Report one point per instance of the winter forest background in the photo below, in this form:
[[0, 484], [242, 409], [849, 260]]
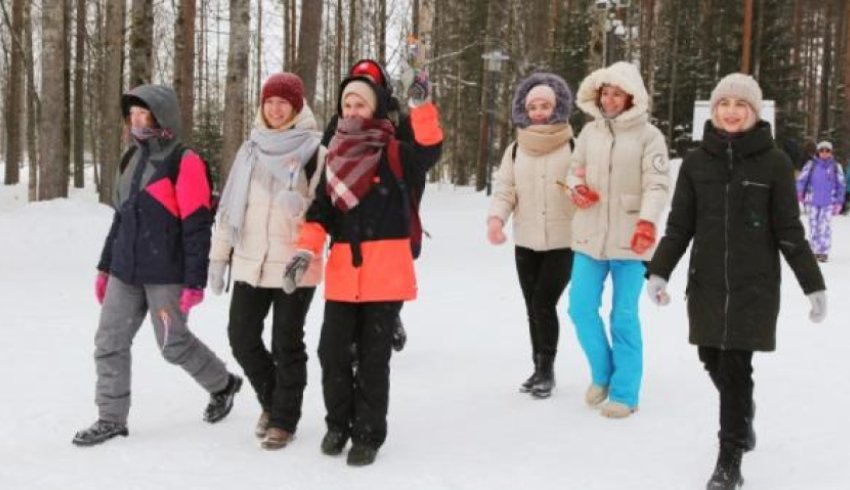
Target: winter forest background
[[65, 63]]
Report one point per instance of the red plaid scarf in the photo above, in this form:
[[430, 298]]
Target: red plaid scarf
[[353, 158]]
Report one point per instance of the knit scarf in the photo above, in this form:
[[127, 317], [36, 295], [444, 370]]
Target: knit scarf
[[282, 154], [353, 157], [542, 139]]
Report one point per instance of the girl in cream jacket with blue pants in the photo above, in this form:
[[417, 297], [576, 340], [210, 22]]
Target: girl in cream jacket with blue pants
[[619, 180]]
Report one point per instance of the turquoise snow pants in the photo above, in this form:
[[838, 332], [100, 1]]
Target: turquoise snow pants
[[617, 364]]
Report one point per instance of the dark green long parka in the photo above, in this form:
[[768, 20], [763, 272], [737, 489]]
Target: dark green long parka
[[735, 198]]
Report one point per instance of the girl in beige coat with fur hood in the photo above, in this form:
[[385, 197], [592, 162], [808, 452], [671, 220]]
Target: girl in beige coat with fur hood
[[529, 186], [271, 184], [618, 178]]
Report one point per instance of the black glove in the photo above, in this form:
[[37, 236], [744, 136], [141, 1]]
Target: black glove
[[295, 269], [420, 89]]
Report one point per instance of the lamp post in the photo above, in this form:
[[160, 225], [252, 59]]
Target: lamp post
[[493, 64], [612, 27]]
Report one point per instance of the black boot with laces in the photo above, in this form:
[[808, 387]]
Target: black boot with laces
[[222, 402], [727, 472], [98, 432]]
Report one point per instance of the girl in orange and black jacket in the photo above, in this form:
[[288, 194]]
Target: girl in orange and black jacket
[[366, 211]]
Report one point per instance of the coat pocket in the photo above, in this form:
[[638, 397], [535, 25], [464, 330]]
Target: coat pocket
[[629, 214]]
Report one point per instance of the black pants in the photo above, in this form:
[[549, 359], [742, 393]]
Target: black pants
[[357, 400], [731, 371], [543, 276], [279, 376]]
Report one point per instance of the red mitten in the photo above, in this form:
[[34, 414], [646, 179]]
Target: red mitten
[[583, 196], [644, 237], [100, 286]]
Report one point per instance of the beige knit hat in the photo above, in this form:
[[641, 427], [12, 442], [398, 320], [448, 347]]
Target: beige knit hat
[[739, 86], [363, 90]]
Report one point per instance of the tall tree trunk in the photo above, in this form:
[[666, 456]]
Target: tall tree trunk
[[340, 37], [352, 32], [826, 74], [141, 43], [293, 31], [184, 66], [259, 68], [234, 93], [309, 41], [53, 173], [13, 97], [111, 117], [66, 87], [33, 106], [747, 36], [79, 94], [382, 32]]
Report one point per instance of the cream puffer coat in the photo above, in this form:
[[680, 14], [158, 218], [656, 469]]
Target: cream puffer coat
[[624, 159], [531, 188], [270, 228]]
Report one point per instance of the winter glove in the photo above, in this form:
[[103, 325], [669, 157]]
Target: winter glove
[[656, 288], [215, 276], [190, 298], [818, 311], [100, 286], [494, 231], [836, 209], [643, 237], [583, 196], [419, 90], [295, 270]]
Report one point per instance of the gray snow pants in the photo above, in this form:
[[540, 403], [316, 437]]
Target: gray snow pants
[[123, 312]]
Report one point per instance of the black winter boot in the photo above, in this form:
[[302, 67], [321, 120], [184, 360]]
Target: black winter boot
[[361, 455], [333, 442], [727, 473], [222, 402], [526, 385], [98, 432], [542, 387]]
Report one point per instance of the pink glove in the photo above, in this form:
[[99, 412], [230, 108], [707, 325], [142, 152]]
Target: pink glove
[[190, 298], [100, 286], [836, 209], [494, 231], [583, 196]]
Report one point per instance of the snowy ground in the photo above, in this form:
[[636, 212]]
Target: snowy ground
[[456, 420]]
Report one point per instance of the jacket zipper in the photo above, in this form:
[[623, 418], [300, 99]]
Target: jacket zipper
[[729, 156], [608, 194], [745, 183]]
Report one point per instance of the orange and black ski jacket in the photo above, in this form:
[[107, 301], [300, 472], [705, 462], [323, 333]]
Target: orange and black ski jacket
[[370, 257]]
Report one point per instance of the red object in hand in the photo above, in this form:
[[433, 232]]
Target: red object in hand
[[190, 298], [494, 231], [584, 197], [100, 286], [644, 237]]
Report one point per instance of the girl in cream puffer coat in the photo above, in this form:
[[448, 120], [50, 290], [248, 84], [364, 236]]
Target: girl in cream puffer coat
[[529, 187], [619, 180], [268, 191]]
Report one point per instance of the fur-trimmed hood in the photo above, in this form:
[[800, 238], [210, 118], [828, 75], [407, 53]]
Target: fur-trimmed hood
[[622, 74], [563, 96]]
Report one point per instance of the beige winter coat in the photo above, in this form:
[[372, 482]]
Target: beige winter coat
[[270, 229], [624, 159], [529, 189]]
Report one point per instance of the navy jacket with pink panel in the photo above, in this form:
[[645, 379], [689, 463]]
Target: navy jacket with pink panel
[[161, 228]]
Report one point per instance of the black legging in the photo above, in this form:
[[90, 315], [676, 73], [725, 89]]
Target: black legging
[[731, 371], [543, 276]]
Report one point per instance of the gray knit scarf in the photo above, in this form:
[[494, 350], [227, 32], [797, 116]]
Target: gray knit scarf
[[282, 154]]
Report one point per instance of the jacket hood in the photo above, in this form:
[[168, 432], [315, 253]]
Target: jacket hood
[[563, 97], [162, 102], [382, 98], [622, 74]]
